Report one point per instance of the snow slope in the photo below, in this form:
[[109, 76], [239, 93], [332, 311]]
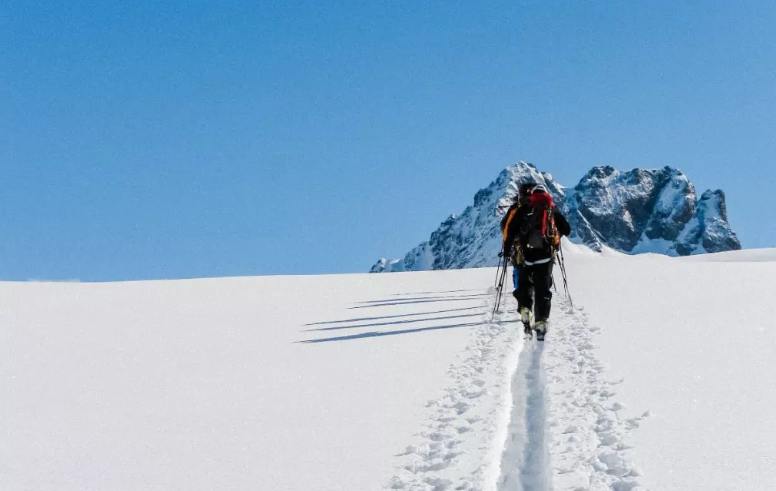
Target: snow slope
[[282, 383], [695, 341], [659, 377]]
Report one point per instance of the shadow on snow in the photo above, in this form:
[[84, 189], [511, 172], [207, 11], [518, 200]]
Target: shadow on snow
[[399, 319], [405, 321], [429, 299], [375, 334], [387, 303], [381, 317], [436, 293]]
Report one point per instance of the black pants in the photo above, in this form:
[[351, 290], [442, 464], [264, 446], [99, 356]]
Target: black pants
[[535, 282]]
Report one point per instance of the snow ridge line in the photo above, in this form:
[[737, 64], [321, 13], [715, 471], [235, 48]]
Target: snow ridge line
[[460, 445], [586, 436]]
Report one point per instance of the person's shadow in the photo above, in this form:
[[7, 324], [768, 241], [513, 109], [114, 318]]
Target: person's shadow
[[466, 312]]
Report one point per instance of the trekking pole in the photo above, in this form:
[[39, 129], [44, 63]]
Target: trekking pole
[[562, 264], [498, 268], [500, 287]]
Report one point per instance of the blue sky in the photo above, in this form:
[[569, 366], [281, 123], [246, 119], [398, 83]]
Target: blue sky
[[182, 139]]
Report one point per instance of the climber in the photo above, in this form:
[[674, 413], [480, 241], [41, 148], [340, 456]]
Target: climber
[[535, 230], [513, 253]]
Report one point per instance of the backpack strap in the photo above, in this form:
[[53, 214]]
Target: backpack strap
[[554, 236], [510, 215]]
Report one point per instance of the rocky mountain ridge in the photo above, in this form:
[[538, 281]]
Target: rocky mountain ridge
[[641, 210]]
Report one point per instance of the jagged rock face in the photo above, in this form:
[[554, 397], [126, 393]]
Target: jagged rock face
[[715, 232], [635, 211]]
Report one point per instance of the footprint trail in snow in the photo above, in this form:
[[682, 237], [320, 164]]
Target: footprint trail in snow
[[565, 432], [524, 415], [524, 463]]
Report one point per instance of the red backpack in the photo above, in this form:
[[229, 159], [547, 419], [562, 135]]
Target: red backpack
[[541, 232]]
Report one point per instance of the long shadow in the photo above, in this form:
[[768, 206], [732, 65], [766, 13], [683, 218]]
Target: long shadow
[[396, 316], [379, 317], [376, 334], [390, 323], [436, 293], [389, 304], [408, 299]]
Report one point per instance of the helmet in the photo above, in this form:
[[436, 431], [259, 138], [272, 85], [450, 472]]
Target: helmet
[[526, 188], [539, 188]]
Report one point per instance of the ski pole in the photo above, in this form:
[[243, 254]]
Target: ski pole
[[498, 268], [563, 272], [500, 287]]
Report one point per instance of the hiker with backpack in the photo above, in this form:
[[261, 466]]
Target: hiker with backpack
[[534, 232], [522, 199]]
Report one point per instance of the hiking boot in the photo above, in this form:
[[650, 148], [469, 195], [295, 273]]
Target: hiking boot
[[526, 316], [541, 329]]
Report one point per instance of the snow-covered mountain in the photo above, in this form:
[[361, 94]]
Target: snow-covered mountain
[[648, 211], [656, 210]]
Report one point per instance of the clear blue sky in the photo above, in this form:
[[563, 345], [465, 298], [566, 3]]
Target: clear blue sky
[[160, 139]]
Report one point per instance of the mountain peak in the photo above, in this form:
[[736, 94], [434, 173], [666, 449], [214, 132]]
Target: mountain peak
[[640, 210]]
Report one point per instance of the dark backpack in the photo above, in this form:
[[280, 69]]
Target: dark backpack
[[539, 230]]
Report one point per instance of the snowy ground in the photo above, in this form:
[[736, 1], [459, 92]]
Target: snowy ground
[[694, 340], [659, 377]]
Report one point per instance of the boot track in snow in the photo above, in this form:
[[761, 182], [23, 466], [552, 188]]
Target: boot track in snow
[[565, 432], [524, 415], [524, 463]]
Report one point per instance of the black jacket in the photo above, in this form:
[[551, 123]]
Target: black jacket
[[519, 201], [506, 215], [516, 233]]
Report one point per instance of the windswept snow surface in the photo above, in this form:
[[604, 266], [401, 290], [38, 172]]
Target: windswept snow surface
[[659, 377]]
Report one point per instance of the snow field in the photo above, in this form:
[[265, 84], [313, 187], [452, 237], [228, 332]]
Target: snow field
[[660, 378], [283, 383], [555, 425], [694, 340], [588, 438], [564, 431], [399, 381], [459, 445]]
